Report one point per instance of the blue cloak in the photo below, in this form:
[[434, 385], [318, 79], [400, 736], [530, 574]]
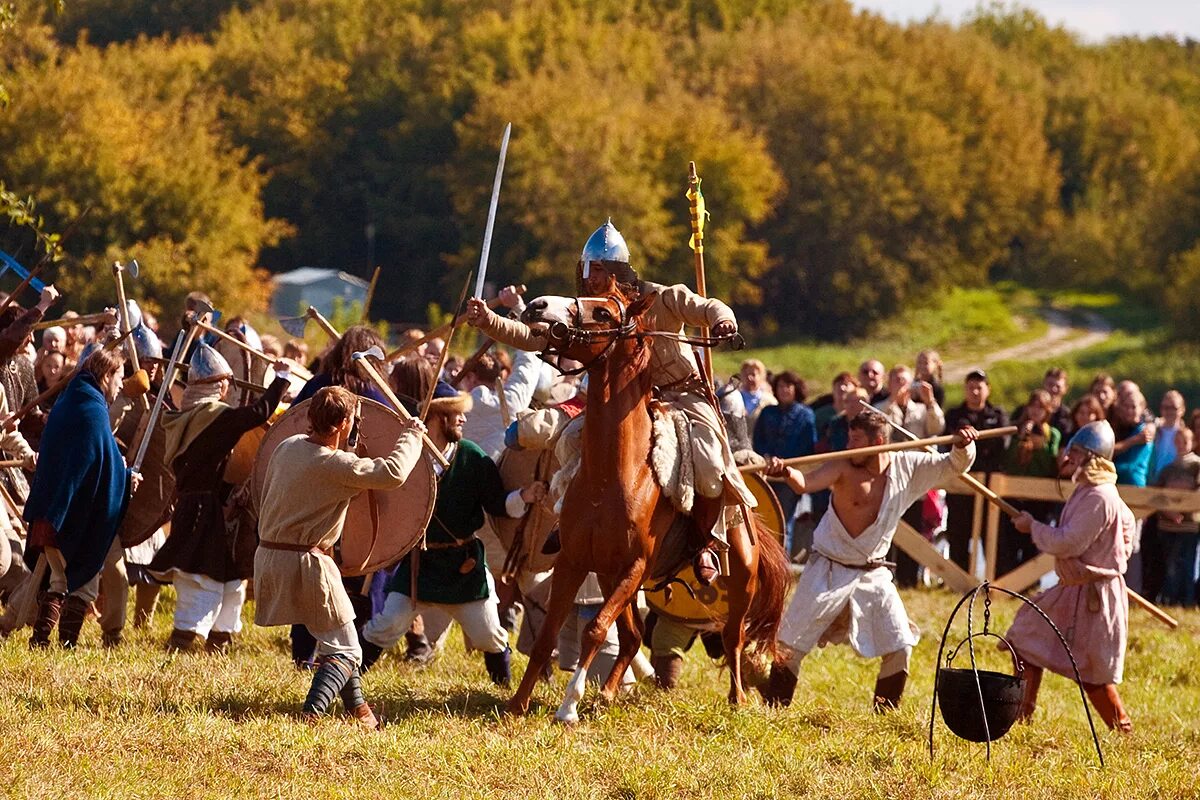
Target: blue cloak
[[81, 485]]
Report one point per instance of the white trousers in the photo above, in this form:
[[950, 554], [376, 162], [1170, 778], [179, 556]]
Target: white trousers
[[341, 641], [203, 605], [480, 621]]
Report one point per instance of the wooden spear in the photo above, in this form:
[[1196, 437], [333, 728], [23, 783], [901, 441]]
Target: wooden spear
[[858, 452], [441, 331]]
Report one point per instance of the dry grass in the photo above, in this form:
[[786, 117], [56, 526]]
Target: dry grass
[[136, 723]]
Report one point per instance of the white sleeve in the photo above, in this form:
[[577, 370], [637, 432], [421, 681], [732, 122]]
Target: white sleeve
[[514, 506], [518, 389]]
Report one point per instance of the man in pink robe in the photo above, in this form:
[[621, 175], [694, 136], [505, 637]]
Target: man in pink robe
[[1089, 605]]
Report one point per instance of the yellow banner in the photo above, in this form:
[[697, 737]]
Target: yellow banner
[[699, 215]]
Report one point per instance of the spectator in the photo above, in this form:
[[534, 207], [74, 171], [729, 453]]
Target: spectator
[[786, 430], [929, 369], [1180, 533], [1131, 456], [1105, 391], [1168, 426], [1087, 409], [1033, 452], [1055, 384], [979, 413], [912, 406], [756, 394], [870, 377]]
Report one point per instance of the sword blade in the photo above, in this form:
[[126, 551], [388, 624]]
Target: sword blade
[[491, 220]]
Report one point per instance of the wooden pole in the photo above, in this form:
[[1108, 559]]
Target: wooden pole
[[126, 328], [87, 319], [698, 250], [918, 444], [366, 315], [441, 365], [325, 324], [373, 375]]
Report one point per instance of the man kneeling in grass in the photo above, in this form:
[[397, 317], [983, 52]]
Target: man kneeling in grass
[[309, 485], [846, 593]]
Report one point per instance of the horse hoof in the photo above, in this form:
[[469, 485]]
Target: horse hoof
[[570, 720], [516, 709]]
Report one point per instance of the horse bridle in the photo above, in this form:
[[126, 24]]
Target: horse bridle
[[571, 335]]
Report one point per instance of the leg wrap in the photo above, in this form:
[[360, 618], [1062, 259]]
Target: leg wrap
[[332, 674], [49, 610], [352, 693], [74, 612]]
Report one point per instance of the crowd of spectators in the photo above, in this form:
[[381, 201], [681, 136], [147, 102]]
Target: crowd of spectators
[[1153, 449]]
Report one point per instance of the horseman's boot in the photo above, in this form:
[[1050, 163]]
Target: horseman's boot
[[49, 610], [667, 670], [499, 666], [1107, 702], [781, 686], [74, 612], [218, 643], [1033, 682], [181, 641], [705, 514], [888, 691]]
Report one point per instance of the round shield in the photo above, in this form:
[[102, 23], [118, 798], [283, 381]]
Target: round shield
[[706, 607], [381, 526], [151, 505], [519, 468], [241, 461]]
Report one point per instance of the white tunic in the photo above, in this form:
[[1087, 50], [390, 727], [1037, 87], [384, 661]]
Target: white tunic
[[875, 620]]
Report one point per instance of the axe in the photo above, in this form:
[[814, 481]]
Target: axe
[[373, 375], [300, 371], [294, 326], [183, 343], [126, 323]]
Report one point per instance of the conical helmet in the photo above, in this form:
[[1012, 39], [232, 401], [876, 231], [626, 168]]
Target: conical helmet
[[133, 316], [88, 349], [146, 343], [606, 246], [1096, 437], [207, 365]]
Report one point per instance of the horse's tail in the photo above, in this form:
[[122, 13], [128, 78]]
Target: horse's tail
[[774, 581]]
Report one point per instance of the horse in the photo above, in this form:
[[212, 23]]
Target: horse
[[615, 516]]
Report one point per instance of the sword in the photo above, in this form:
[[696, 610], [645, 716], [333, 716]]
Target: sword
[[491, 220]]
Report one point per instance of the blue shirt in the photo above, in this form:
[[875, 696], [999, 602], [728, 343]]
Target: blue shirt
[[785, 432], [1133, 465]]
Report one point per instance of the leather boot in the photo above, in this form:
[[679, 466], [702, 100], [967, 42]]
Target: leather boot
[[667, 670], [365, 717], [74, 612], [1033, 682], [888, 691], [499, 667], [49, 610], [218, 643], [1107, 702], [181, 641], [417, 648], [781, 686], [371, 653]]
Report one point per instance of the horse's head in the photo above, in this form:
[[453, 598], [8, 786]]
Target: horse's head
[[586, 329]]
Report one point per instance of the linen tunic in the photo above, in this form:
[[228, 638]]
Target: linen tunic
[[308, 490], [1090, 605], [876, 621]]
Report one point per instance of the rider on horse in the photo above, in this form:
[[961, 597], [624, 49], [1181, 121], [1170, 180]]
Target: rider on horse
[[603, 269]]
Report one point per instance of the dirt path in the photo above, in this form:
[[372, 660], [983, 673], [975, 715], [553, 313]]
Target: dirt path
[[1062, 337]]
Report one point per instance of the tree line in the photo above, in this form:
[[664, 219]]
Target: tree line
[[853, 167]]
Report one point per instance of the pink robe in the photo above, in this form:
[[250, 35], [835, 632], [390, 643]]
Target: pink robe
[[1089, 605]]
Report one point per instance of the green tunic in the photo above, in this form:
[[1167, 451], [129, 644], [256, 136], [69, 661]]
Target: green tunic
[[470, 486]]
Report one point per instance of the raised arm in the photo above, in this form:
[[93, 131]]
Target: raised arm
[[511, 332], [821, 478], [696, 310]]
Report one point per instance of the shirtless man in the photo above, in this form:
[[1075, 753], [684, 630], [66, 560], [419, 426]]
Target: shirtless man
[[846, 593]]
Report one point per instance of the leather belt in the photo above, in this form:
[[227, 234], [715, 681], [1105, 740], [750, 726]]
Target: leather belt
[[294, 548], [450, 545]]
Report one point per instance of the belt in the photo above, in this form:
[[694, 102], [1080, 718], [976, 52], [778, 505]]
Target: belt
[[295, 548], [450, 545], [867, 566], [689, 383]]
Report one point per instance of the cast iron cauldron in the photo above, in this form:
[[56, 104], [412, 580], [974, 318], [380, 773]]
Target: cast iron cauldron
[[997, 694]]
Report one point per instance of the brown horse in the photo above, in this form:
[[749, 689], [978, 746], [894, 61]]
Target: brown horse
[[614, 515]]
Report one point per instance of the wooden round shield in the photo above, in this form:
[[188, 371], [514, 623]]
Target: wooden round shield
[[707, 609], [241, 461], [519, 468], [381, 526], [151, 505]]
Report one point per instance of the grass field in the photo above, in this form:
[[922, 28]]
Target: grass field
[[137, 723]]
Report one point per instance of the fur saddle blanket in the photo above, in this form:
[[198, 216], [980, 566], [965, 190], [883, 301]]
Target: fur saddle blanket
[[671, 456]]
